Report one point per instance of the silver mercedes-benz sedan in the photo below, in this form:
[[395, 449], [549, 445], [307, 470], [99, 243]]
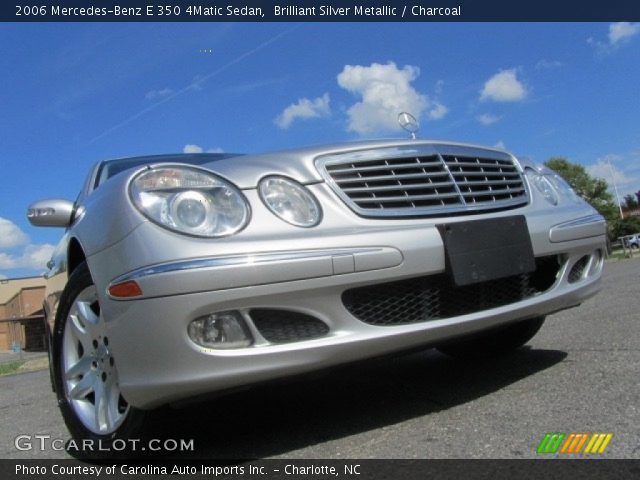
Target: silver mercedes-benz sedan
[[185, 275]]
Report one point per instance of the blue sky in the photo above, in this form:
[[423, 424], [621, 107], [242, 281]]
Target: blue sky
[[73, 94]]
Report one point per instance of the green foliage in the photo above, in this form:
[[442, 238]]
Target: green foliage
[[630, 201], [8, 368], [593, 190], [626, 226]]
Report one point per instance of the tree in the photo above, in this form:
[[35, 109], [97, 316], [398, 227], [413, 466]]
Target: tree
[[593, 190], [626, 226], [630, 202]]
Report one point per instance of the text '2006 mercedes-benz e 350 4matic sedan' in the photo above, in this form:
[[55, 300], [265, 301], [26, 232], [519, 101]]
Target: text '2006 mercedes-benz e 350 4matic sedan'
[[185, 275]]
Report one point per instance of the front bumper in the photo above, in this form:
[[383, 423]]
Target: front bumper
[[159, 364]]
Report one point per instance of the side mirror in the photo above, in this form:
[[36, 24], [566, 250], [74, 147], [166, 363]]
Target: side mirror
[[50, 213]]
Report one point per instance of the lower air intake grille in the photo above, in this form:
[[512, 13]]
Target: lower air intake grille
[[578, 269], [435, 297], [283, 326]]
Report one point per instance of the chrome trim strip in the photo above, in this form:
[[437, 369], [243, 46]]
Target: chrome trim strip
[[234, 260], [595, 218], [422, 150]]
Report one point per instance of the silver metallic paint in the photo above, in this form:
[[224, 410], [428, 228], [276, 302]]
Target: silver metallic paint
[[157, 361]]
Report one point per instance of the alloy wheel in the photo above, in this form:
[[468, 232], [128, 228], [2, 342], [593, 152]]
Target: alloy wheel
[[89, 372]]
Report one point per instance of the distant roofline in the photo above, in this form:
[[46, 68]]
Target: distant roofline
[[5, 280], [10, 287]]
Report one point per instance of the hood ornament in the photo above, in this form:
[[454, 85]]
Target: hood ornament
[[409, 123]]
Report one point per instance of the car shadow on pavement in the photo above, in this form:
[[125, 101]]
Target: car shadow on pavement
[[272, 420]]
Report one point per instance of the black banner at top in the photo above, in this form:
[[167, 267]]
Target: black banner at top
[[318, 11]]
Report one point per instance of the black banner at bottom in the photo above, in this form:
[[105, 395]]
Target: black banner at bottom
[[322, 469]]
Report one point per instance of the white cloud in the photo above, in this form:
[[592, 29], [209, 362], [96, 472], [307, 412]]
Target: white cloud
[[37, 256], [622, 32], [624, 171], [601, 169], [304, 109], [33, 257], [500, 145], [11, 235], [504, 86], [437, 111], [488, 118], [548, 64], [192, 148], [197, 84], [158, 94], [385, 92], [619, 34]]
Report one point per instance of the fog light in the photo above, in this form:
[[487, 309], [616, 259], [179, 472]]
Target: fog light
[[220, 330]]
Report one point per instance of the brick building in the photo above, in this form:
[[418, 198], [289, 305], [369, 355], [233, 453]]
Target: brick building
[[21, 316]]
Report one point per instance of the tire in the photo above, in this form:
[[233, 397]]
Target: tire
[[494, 342], [85, 373]]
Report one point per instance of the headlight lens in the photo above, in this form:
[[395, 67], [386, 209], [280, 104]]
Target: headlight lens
[[543, 185], [190, 201], [563, 187], [290, 201]]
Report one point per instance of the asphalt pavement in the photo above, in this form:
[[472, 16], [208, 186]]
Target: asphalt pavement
[[579, 374]]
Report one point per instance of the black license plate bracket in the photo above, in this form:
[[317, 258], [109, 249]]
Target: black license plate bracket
[[482, 250]]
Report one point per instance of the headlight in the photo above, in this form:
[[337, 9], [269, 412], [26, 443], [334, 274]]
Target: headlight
[[543, 185], [190, 201], [290, 201], [563, 187]]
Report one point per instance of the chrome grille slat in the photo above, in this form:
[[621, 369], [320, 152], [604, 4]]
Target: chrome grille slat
[[486, 174], [373, 168], [493, 182], [492, 192], [402, 176], [480, 165], [405, 198], [420, 183], [385, 188]]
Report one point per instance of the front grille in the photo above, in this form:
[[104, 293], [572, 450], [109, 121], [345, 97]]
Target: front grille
[[284, 326], [426, 184], [485, 180], [435, 297]]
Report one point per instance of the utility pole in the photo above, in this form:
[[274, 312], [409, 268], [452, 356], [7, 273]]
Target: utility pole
[[615, 187]]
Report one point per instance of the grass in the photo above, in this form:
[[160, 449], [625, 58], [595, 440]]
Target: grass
[[618, 254], [9, 368], [41, 363], [23, 366]]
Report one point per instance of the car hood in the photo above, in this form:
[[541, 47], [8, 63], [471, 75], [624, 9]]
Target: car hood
[[246, 171]]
